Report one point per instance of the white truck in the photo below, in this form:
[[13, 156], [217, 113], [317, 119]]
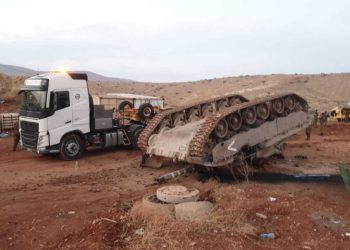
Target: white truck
[[57, 115]]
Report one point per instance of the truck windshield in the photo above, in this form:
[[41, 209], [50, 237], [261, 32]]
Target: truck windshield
[[33, 100]]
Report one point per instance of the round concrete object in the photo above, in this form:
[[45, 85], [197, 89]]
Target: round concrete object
[[177, 194]]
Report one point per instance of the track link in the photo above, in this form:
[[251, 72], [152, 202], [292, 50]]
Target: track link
[[154, 123]]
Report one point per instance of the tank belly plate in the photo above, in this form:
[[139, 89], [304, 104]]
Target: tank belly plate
[[173, 143]]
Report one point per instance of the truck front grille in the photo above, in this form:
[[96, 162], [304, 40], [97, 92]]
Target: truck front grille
[[29, 134]]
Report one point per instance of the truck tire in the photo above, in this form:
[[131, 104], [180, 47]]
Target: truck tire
[[123, 104], [71, 147], [134, 133], [146, 110]]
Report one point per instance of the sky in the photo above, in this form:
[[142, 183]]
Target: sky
[[177, 40]]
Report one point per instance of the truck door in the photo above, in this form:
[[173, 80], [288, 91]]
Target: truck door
[[81, 110], [61, 121]]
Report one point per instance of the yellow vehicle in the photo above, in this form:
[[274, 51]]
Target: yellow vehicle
[[341, 114]]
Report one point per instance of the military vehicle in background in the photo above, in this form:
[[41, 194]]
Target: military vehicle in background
[[341, 113]]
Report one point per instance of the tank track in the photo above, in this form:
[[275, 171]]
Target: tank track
[[157, 120], [196, 146]]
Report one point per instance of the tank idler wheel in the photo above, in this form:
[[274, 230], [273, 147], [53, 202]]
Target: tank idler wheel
[[278, 106], [221, 129], [289, 103], [235, 121], [249, 116], [263, 111]]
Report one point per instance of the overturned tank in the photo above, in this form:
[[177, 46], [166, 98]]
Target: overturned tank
[[220, 131]]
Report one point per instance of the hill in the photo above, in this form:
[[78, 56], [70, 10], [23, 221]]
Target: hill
[[12, 70], [322, 91]]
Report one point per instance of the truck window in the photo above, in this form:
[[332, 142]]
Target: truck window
[[62, 100]]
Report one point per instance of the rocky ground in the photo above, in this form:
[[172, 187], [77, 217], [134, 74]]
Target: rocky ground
[[47, 203]]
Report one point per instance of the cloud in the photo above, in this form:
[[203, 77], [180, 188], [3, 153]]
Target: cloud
[[158, 40]]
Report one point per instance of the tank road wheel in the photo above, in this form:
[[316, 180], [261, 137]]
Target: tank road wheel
[[263, 111], [289, 103], [146, 110], [125, 105], [206, 109], [278, 106], [235, 121], [179, 119], [249, 116], [71, 147], [221, 129]]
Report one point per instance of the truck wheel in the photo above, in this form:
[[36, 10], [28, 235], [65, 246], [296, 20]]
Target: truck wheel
[[71, 147], [134, 137], [125, 104], [146, 110]]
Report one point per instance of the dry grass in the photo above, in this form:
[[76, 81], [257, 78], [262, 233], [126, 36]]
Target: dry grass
[[227, 222], [9, 86]]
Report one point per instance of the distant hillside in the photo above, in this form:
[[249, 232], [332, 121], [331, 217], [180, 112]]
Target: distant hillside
[[9, 86], [12, 70], [322, 91]]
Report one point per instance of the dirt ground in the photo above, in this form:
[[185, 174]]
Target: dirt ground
[[47, 203]]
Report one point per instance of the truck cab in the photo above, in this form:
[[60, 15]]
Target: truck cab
[[57, 115]]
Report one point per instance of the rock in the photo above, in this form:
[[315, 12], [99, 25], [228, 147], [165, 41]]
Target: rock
[[266, 236], [193, 210], [272, 199], [306, 248], [329, 220], [140, 231], [71, 212], [261, 216]]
